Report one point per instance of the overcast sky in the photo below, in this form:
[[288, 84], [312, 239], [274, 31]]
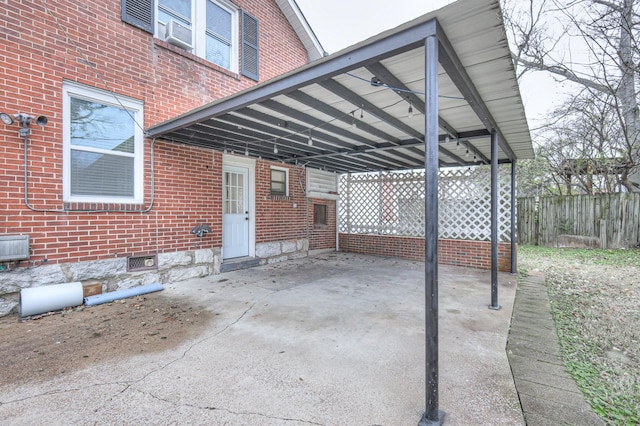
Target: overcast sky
[[342, 23]]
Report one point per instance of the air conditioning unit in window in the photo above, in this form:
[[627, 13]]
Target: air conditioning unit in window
[[178, 35]]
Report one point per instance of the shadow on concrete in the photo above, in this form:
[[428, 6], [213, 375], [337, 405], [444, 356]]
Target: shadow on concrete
[[333, 339]]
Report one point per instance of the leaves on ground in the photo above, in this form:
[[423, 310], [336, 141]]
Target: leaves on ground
[[595, 301]]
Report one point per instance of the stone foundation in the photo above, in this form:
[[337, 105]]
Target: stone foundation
[[172, 267], [279, 251]]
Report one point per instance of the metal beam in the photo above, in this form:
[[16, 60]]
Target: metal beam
[[388, 78], [450, 154], [472, 151], [360, 55], [217, 134], [458, 74], [357, 100], [357, 154], [474, 134], [337, 114], [418, 104], [293, 131], [265, 149], [385, 146], [314, 122], [263, 133]]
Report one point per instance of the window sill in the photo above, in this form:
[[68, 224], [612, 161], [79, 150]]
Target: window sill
[[195, 58], [101, 207], [280, 198]]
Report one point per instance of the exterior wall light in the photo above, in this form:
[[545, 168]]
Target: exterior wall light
[[25, 120], [6, 118]]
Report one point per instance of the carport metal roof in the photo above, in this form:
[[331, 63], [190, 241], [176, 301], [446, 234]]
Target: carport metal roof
[[349, 112]]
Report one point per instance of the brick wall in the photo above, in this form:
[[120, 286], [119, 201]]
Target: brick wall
[[290, 218], [472, 254], [323, 236], [86, 42], [277, 217]]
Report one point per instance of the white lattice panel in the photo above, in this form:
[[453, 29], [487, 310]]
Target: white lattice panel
[[392, 203]]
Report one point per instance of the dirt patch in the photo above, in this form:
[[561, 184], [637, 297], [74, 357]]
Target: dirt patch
[[53, 344]]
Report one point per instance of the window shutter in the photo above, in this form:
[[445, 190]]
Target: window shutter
[[250, 51], [139, 13]]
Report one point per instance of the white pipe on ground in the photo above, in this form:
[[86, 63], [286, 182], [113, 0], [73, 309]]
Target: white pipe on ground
[[122, 294], [37, 300]]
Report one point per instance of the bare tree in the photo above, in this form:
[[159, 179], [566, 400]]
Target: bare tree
[[594, 44], [582, 147]]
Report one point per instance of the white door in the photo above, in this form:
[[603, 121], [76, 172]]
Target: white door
[[235, 212]]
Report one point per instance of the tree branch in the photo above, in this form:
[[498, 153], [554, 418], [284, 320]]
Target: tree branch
[[564, 72], [609, 4]]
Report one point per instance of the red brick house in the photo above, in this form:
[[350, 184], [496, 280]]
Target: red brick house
[[87, 196]]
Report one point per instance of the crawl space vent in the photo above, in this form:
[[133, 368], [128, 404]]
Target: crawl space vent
[[142, 263]]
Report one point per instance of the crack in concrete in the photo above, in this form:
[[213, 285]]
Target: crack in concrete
[[128, 383], [199, 342], [235, 413], [62, 391]]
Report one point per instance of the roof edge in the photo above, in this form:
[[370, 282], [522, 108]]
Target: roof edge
[[302, 28]]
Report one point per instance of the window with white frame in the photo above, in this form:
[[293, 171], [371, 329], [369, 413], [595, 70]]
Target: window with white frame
[[213, 28], [103, 146]]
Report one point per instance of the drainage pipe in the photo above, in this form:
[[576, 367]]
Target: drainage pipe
[[37, 300], [122, 294]]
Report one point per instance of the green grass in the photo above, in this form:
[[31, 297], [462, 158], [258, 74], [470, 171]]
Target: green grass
[[584, 361], [594, 313], [585, 256]]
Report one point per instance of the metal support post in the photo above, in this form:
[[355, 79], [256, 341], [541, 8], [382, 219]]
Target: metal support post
[[494, 221], [432, 415], [514, 219]]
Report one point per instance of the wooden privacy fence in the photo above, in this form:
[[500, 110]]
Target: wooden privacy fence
[[613, 219]]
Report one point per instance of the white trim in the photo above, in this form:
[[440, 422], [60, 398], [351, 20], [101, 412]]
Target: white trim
[[249, 164], [301, 26], [322, 195], [135, 107], [199, 29]]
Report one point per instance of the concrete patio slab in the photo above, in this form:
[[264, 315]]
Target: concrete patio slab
[[333, 339]]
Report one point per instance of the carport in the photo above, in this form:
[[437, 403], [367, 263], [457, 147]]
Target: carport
[[405, 99]]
